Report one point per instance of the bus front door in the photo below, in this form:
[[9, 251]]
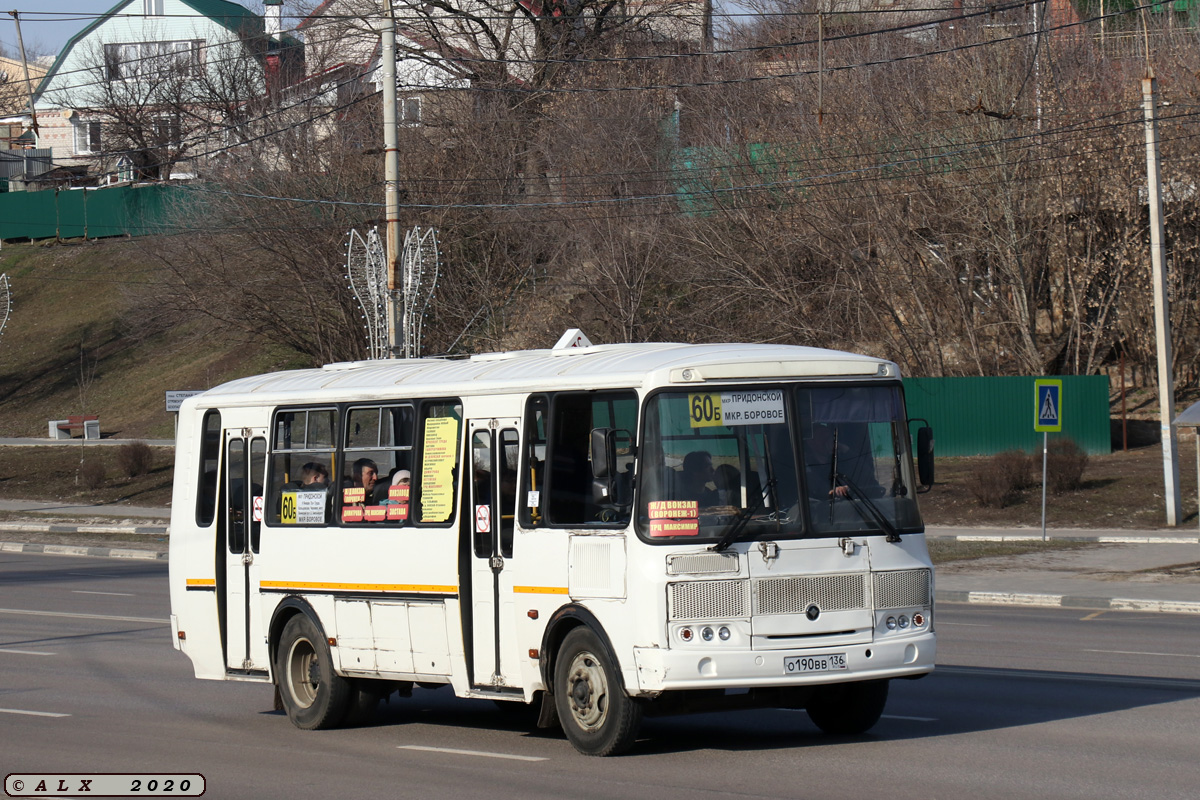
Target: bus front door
[[245, 467], [490, 524]]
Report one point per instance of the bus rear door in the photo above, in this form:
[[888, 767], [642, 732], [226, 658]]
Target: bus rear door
[[490, 525], [245, 468]]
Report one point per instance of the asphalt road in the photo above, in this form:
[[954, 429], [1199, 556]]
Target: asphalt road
[[1046, 703]]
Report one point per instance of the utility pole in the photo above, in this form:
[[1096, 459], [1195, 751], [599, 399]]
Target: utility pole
[[25, 66], [391, 162], [1162, 312]]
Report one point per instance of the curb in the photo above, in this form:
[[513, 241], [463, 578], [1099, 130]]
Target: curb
[[1099, 539], [72, 550], [46, 527], [1069, 601]]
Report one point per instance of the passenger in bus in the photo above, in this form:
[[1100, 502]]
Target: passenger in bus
[[728, 480], [314, 476], [398, 477], [365, 474], [696, 477]]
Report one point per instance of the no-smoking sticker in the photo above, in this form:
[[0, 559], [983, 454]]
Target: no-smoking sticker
[[483, 519], [258, 508]]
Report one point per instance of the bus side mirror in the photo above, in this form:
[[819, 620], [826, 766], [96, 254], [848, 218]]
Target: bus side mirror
[[609, 485], [604, 453], [925, 455]]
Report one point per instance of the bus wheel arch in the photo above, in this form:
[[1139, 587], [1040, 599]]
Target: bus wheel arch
[[312, 693], [288, 608], [563, 621]]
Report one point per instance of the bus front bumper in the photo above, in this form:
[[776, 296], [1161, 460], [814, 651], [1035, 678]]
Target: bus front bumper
[[662, 670]]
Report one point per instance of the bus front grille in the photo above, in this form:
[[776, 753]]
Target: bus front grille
[[902, 589], [707, 599], [795, 595]]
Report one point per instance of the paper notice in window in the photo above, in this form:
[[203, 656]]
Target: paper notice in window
[[438, 457], [674, 518]]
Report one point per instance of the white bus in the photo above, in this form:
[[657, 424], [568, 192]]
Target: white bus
[[603, 530]]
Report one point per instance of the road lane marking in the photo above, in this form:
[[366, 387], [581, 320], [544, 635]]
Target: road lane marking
[[110, 594], [1138, 653], [1093, 616], [909, 719], [83, 616], [1145, 682], [31, 713], [480, 753], [24, 652]]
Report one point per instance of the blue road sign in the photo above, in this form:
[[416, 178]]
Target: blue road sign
[[1047, 414]]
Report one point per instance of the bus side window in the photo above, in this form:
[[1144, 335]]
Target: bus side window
[[533, 474], [210, 452], [573, 416]]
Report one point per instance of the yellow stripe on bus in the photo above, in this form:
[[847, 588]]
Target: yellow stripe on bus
[[201, 581], [540, 589], [359, 587]]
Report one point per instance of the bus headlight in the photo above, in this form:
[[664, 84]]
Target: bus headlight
[[724, 634], [707, 634], [891, 623]]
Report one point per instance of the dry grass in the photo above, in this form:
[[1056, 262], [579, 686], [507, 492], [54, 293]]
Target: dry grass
[[1121, 490], [57, 473]]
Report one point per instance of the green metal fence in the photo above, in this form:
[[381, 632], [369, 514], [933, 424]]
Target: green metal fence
[[91, 213], [981, 416]]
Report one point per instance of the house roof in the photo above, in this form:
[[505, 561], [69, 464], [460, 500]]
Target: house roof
[[235, 17]]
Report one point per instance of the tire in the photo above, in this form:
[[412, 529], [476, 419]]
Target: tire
[[365, 697], [593, 709], [313, 695], [848, 709]]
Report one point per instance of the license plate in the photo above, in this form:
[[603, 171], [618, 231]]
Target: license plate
[[831, 662]]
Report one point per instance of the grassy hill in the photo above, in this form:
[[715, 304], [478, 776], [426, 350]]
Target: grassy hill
[[74, 345]]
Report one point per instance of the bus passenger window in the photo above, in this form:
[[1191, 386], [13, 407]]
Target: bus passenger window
[[437, 477], [301, 466], [377, 462]]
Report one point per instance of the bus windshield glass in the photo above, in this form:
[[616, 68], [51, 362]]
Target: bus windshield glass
[[776, 462]]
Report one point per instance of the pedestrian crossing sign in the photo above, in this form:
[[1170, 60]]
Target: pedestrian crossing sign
[[1047, 416]]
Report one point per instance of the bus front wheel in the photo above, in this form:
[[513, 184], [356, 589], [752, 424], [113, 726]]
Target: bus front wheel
[[313, 695], [848, 709], [593, 709]]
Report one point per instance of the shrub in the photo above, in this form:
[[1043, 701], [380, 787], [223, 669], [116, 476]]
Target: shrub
[[998, 481], [135, 458], [989, 488], [92, 473], [1016, 466], [1065, 464]]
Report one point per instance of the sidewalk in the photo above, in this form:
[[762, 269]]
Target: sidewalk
[[1149, 571], [1156, 570]]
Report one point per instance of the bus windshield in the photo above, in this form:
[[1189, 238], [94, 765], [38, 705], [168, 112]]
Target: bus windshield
[[770, 462]]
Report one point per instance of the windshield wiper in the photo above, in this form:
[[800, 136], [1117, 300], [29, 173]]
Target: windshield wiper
[[867, 509], [735, 527]]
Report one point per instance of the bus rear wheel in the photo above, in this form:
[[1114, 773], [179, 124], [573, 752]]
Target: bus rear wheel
[[313, 695], [593, 709], [848, 709]]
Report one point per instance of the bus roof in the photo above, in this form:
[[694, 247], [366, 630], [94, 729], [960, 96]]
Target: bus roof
[[595, 367]]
